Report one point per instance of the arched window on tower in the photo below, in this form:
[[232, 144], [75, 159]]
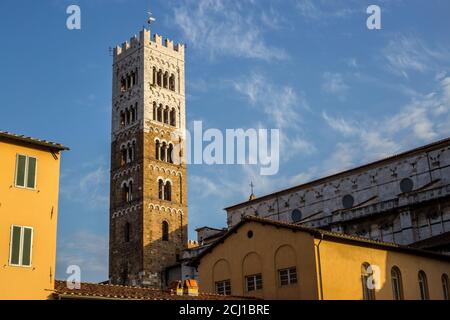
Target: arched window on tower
[[130, 191], [159, 78], [172, 82], [160, 113], [166, 115], [127, 231], [123, 85], [122, 119], [168, 191], [134, 113], [166, 80], [366, 276], [127, 116], [170, 153], [158, 150], [130, 152], [155, 108], [125, 192], [173, 117], [123, 155], [128, 82], [423, 286], [161, 189], [397, 285], [165, 231], [163, 153]]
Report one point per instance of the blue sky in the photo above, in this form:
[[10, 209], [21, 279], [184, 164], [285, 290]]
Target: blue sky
[[341, 94]]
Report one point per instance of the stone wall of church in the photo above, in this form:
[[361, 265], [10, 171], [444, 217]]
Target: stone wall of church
[[403, 199]]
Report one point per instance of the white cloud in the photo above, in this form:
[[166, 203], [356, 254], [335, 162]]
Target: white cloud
[[339, 124], [281, 103], [405, 54], [283, 107], [334, 83], [87, 250], [90, 189], [222, 27], [422, 120], [205, 187], [352, 63], [342, 158], [323, 10]]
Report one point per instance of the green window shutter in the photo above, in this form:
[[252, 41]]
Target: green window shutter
[[15, 245], [27, 243], [20, 171], [31, 179]]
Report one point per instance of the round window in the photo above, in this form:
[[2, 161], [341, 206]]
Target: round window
[[406, 185], [296, 216], [348, 201], [250, 234]]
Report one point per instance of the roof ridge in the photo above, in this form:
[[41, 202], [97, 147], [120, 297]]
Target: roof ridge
[[31, 140]]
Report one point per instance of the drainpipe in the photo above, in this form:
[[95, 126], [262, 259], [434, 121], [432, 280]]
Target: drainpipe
[[319, 268]]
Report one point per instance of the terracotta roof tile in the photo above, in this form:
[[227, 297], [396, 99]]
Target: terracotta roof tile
[[104, 291], [34, 141]]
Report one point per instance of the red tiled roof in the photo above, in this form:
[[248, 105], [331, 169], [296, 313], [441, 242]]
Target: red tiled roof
[[113, 292]]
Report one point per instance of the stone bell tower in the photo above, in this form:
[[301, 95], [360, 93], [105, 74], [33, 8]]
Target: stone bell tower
[[148, 197]]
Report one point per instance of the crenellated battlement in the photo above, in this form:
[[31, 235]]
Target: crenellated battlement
[[145, 38]]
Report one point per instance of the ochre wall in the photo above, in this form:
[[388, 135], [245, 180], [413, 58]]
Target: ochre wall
[[268, 251], [341, 272], [30, 208], [272, 249]]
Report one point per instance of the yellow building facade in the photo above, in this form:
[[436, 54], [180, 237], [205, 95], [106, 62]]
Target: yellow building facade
[[272, 260], [29, 186]]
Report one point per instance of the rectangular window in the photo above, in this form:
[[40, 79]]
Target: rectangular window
[[254, 282], [26, 172], [20, 171], [287, 277], [21, 246], [223, 288]]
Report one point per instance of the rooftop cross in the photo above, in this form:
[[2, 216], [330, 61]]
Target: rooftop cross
[[252, 195]]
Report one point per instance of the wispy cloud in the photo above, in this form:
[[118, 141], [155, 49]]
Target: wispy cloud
[[422, 120], [333, 83], [322, 10], [406, 54], [89, 187], [222, 27], [87, 250], [283, 107], [282, 104], [339, 124]]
